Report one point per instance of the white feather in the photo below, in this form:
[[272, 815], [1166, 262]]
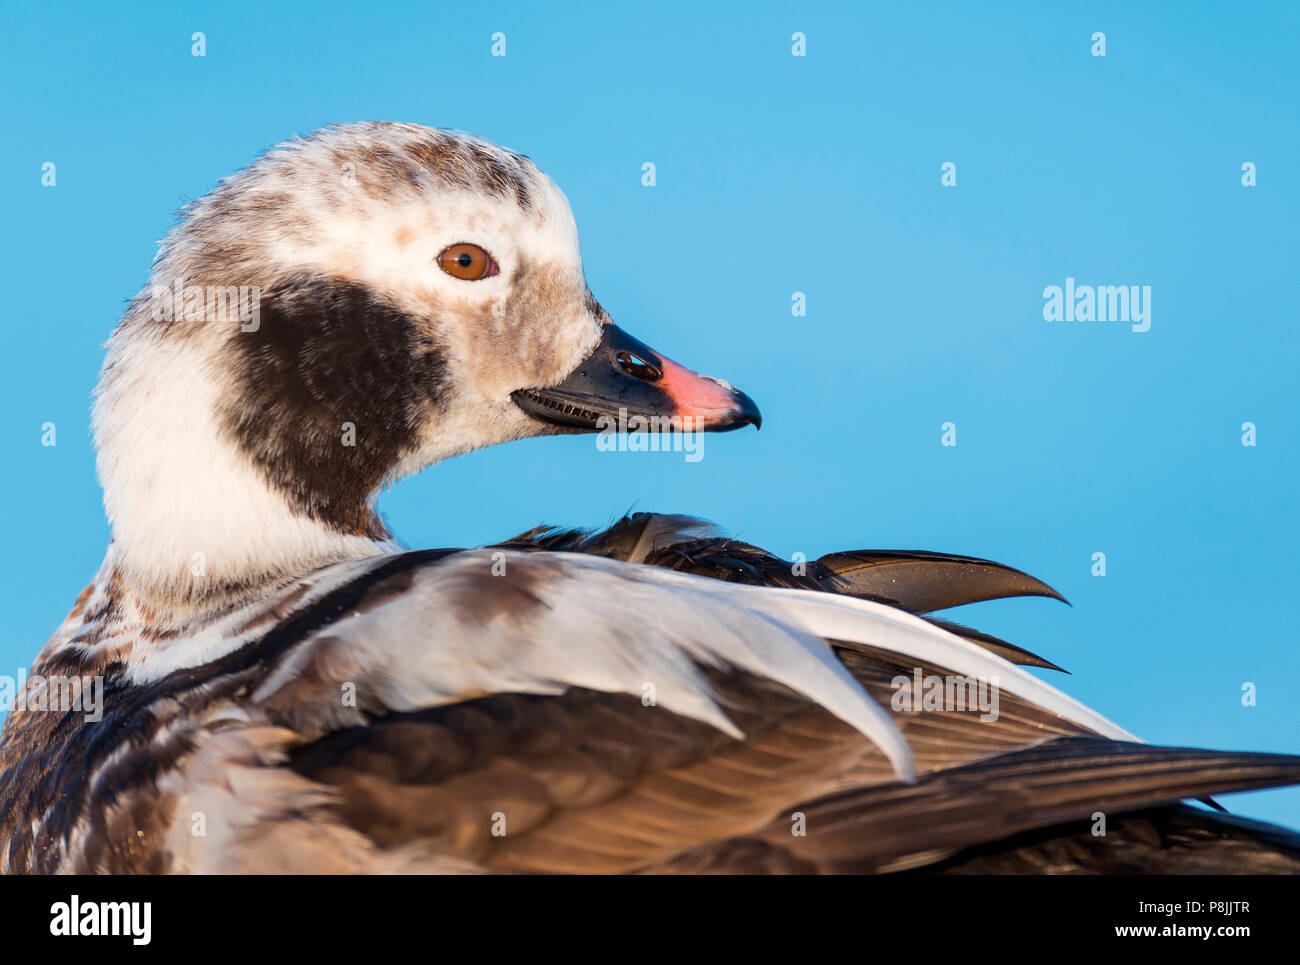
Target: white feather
[[618, 627]]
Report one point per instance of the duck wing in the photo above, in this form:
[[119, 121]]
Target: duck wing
[[549, 705]]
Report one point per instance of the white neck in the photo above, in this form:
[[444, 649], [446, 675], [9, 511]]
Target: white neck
[[195, 523]]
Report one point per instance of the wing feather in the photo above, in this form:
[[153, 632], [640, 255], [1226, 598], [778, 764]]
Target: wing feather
[[656, 695]]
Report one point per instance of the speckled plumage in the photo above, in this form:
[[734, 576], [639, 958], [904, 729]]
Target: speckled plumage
[[286, 689]]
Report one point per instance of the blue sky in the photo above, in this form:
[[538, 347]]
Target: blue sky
[[775, 174]]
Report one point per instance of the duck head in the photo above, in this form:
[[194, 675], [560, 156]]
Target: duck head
[[354, 306]]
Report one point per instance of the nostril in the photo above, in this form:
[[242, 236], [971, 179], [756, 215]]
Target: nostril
[[637, 367]]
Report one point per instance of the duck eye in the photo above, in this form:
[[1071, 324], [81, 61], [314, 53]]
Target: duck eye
[[467, 261]]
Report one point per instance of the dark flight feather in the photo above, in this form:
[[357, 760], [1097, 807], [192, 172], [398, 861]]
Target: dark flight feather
[[921, 582], [1169, 840]]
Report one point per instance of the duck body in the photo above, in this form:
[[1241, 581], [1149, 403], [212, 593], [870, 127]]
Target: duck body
[[315, 731], [286, 689]]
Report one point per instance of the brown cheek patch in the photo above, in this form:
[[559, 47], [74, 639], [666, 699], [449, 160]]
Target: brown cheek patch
[[330, 353]]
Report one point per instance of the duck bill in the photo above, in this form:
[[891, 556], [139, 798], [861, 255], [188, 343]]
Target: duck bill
[[625, 383]]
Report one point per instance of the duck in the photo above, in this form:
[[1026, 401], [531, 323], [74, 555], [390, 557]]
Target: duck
[[287, 688]]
